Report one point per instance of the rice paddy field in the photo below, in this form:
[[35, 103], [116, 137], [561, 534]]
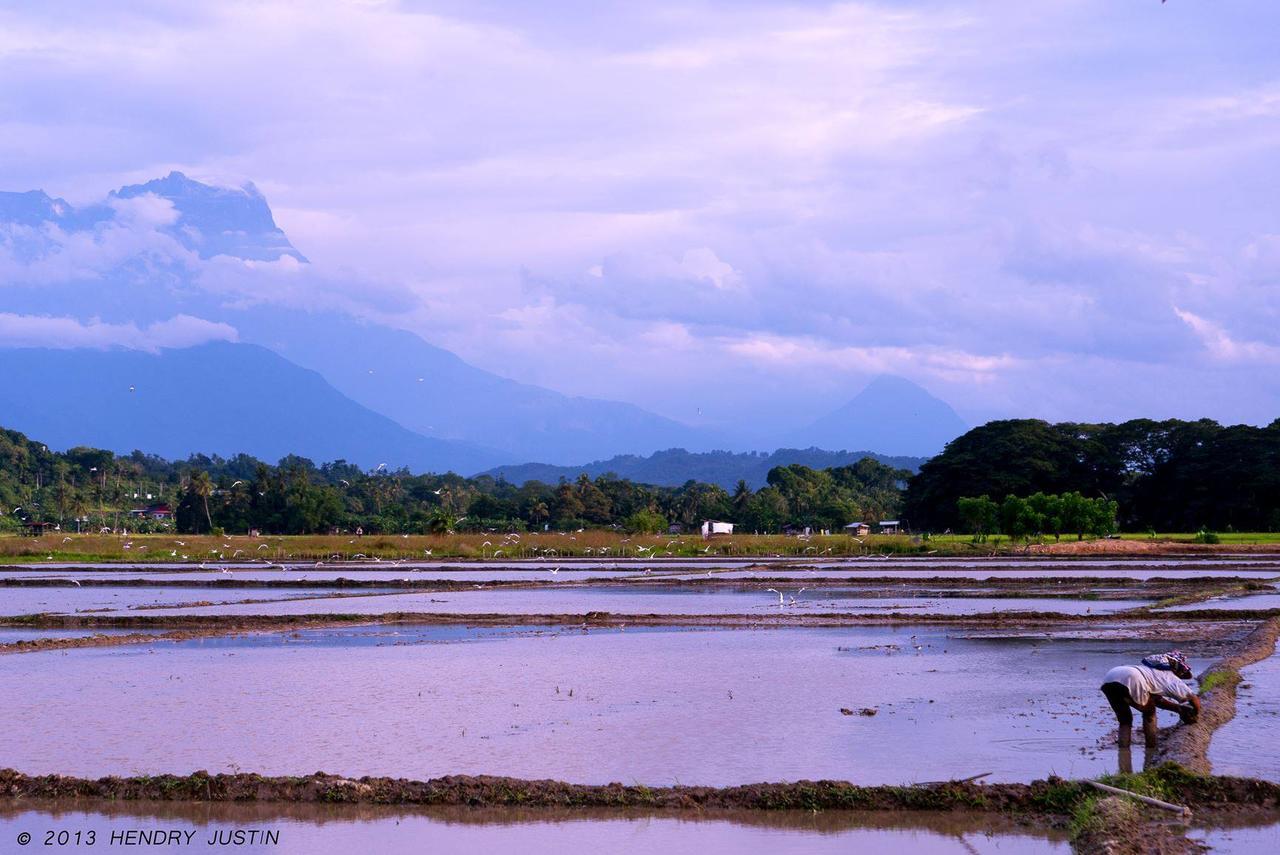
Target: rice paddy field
[[550, 697]]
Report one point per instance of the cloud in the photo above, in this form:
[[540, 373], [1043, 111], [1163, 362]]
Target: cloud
[[1222, 347], [65, 333], [997, 196]]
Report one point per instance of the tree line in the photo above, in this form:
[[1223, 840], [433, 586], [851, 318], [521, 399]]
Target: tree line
[[94, 488], [1162, 475]]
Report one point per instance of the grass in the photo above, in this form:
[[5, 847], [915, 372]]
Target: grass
[[67, 547], [1223, 537], [1215, 679]]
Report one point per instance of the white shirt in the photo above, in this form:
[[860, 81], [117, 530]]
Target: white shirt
[[1143, 682]]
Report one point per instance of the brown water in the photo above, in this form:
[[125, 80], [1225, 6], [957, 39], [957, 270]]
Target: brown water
[[665, 600], [656, 707], [343, 829], [1248, 745]]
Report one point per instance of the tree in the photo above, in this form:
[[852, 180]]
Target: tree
[[202, 486], [979, 516]]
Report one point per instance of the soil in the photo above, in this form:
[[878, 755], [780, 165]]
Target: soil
[[1189, 744]]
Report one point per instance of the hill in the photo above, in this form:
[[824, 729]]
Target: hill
[[675, 466]]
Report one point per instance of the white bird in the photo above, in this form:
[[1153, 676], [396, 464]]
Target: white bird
[[345, 481], [262, 546], [236, 483], [781, 601], [438, 492], [380, 467]]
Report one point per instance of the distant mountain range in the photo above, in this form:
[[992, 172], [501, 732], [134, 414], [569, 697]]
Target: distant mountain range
[[216, 398], [675, 466], [151, 252]]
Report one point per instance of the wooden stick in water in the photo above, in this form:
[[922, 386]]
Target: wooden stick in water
[[1182, 809]]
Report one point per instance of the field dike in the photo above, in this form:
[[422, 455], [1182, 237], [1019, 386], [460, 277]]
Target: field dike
[[1108, 825], [1188, 745]]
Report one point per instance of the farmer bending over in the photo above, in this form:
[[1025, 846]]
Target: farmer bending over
[[1157, 682]]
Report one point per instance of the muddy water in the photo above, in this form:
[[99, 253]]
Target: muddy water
[[478, 574], [656, 707], [341, 829], [1248, 745], [9, 635], [897, 571], [1246, 835], [1250, 601], [650, 599], [23, 601]]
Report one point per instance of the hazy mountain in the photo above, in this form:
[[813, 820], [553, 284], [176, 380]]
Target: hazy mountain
[[891, 415], [432, 391], [374, 365], [675, 466], [213, 221], [215, 398]]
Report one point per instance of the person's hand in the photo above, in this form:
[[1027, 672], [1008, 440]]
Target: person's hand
[[1188, 715]]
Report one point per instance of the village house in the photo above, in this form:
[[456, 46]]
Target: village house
[[857, 529], [711, 528]]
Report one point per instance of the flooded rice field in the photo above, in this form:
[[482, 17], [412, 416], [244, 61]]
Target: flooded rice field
[[1253, 602], [8, 635], [1248, 835], [708, 706], [662, 600], [1248, 744], [311, 574], [341, 829], [897, 571], [70, 598]]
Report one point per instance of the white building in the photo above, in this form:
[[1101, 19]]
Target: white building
[[714, 527], [890, 526]]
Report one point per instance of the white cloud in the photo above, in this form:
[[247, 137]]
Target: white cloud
[[64, 333], [977, 191], [1223, 347]]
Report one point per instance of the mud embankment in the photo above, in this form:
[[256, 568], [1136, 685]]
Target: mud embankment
[[1050, 798], [1189, 744]]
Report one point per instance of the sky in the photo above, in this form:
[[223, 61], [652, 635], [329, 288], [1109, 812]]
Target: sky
[[1063, 209]]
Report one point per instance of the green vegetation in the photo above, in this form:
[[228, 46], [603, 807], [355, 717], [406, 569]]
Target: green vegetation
[[1037, 514], [1217, 679], [1168, 475], [87, 489]]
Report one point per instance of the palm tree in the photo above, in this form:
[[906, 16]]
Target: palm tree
[[202, 486]]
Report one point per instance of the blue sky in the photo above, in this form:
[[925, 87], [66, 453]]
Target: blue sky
[[1063, 209]]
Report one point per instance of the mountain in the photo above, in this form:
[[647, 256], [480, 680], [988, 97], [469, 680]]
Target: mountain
[[218, 398], [375, 365], [432, 391], [893, 416], [675, 466], [212, 221]]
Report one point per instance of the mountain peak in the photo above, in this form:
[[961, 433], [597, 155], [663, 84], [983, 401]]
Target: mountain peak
[[891, 415], [215, 220], [31, 208]]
